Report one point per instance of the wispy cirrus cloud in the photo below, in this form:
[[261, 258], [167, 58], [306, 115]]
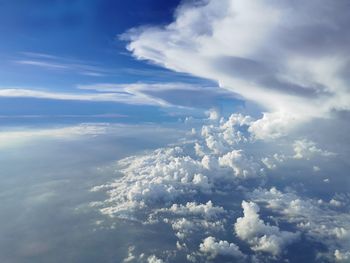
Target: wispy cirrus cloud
[[13, 137], [52, 62], [96, 96], [155, 94], [69, 116], [64, 64]]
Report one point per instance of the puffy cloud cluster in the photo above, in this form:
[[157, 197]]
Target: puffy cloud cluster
[[154, 259], [318, 219], [213, 114], [175, 186], [213, 248], [169, 174], [240, 164], [207, 210], [272, 125], [220, 138], [159, 177], [307, 149], [261, 236], [142, 258], [271, 162], [158, 186], [191, 218], [185, 228], [342, 256], [179, 185], [262, 50]]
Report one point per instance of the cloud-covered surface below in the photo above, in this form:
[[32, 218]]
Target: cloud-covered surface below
[[209, 193]]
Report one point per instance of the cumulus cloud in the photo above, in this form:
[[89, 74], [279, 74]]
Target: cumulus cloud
[[167, 174], [185, 228], [188, 219], [185, 186], [271, 125], [262, 50], [154, 259], [316, 218], [272, 162], [161, 176], [213, 248], [307, 149], [227, 134], [131, 257], [207, 210], [240, 164], [213, 114], [342, 256], [261, 236]]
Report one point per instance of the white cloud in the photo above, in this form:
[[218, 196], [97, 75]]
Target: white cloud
[[168, 186], [271, 125], [335, 203], [166, 174], [317, 219], [213, 114], [342, 256], [191, 218], [307, 149], [50, 62], [261, 236], [315, 168], [241, 165], [207, 210], [220, 138], [131, 257], [8, 138], [154, 259], [261, 50], [213, 248], [271, 162], [158, 177], [121, 97], [185, 228]]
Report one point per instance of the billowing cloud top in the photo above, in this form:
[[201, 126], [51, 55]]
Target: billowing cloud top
[[290, 57]]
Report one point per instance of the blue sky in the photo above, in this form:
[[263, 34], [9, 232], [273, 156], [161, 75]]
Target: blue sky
[[57, 46]]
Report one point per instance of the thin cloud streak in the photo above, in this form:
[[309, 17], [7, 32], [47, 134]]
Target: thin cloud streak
[[181, 95]]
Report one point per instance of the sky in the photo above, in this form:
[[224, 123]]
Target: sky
[[174, 131], [68, 50]]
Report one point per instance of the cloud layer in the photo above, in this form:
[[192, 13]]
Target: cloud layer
[[195, 190]]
